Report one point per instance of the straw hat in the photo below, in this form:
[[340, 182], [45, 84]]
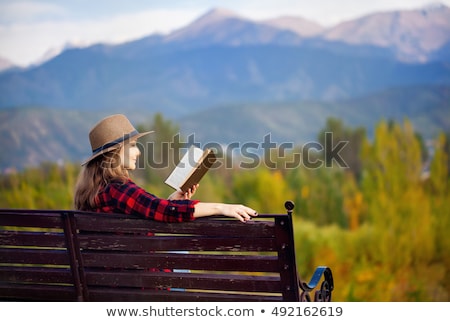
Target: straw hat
[[109, 133]]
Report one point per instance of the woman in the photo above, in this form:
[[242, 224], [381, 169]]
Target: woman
[[104, 184]]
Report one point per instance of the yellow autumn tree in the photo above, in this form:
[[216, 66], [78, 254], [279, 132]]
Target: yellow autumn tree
[[263, 189], [398, 209], [438, 188]]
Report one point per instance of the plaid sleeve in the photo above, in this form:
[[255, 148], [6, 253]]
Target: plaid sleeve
[[131, 199]]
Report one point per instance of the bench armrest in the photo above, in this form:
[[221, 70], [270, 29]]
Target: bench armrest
[[324, 293]]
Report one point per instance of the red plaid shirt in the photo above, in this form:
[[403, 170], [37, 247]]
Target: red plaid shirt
[[130, 199]]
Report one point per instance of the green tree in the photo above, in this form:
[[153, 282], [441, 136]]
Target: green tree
[[353, 138], [159, 152], [318, 194], [397, 205], [438, 188]]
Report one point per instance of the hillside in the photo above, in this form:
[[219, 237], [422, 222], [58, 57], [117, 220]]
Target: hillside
[[35, 135], [299, 122]]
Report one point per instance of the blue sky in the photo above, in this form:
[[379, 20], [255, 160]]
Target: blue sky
[[32, 29]]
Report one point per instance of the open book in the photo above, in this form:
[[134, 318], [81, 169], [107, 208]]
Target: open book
[[191, 168]]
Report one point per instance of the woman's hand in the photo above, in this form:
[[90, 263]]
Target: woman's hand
[[240, 212], [203, 209], [179, 195]]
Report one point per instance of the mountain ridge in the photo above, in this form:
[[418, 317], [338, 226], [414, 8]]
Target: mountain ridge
[[299, 25], [221, 26], [174, 81], [375, 29], [311, 30], [413, 34]]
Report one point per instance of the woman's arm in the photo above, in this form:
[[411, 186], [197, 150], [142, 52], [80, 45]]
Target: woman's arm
[[241, 212], [203, 209]]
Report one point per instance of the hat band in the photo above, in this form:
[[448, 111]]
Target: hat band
[[117, 141]]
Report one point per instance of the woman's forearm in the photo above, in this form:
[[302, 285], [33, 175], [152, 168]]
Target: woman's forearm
[[241, 212]]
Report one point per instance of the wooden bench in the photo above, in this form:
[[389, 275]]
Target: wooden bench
[[63, 255]]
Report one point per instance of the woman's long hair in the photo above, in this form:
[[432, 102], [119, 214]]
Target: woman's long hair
[[96, 175]]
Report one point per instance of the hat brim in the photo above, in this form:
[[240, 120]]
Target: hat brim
[[111, 148]]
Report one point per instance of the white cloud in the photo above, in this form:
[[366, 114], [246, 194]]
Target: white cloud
[[26, 43], [28, 11]]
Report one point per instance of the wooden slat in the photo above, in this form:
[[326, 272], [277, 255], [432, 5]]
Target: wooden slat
[[212, 227], [32, 239], [33, 256], [35, 275], [23, 292], [30, 219], [139, 295], [153, 280], [182, 261], [157, 243]]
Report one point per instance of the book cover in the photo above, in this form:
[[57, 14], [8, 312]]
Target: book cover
[[191, 168]]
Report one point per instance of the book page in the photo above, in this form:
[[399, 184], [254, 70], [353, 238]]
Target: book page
[[188, 163]]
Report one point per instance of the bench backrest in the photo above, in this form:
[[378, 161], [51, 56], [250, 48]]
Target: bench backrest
[[36, 256], [69, 255]]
